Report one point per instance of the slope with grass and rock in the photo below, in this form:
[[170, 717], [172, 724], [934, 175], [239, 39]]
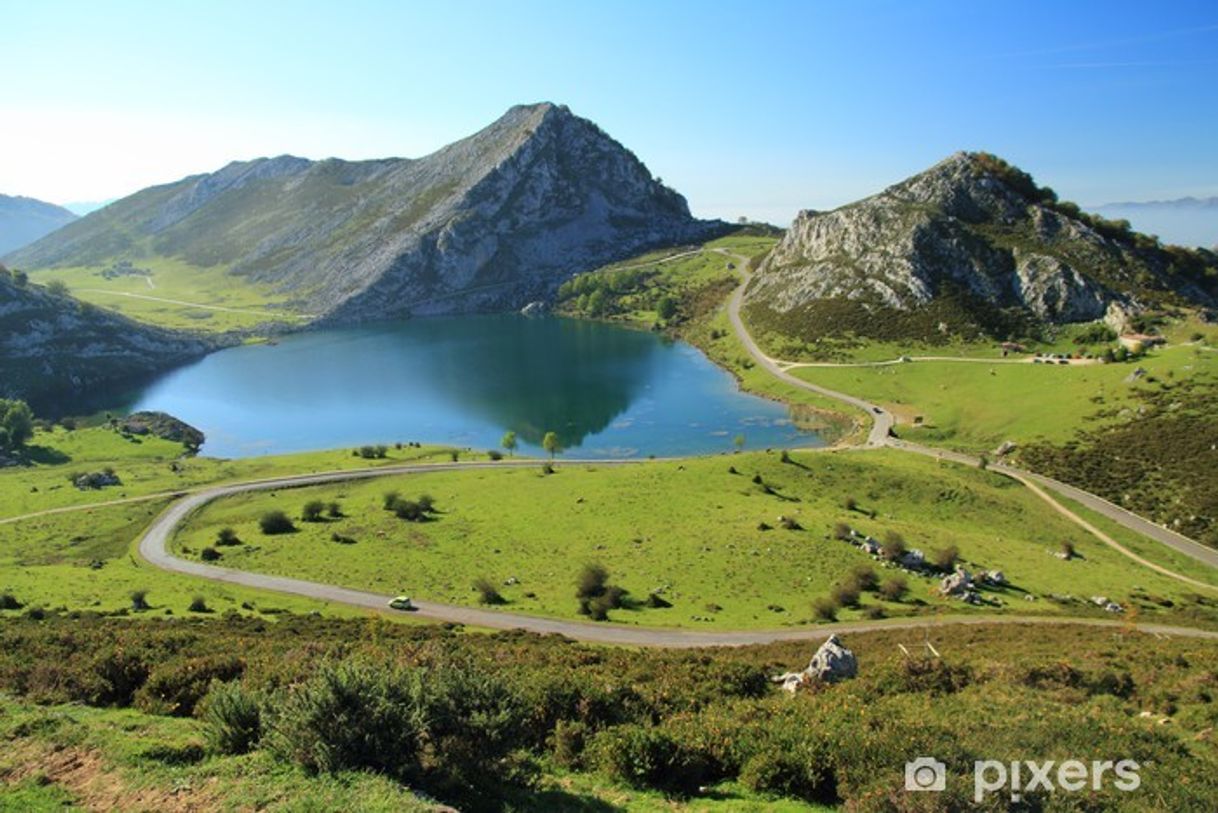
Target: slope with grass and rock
[[490, 222]]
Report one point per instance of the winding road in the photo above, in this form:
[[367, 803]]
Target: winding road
[[153, 546]]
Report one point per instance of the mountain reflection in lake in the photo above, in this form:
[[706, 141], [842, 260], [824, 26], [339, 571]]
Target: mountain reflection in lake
[[606, 391]]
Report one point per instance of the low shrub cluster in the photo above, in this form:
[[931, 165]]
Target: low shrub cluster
[[470, 719]]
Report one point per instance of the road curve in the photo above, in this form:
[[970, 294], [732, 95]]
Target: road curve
[[153, 548], [883, 422]]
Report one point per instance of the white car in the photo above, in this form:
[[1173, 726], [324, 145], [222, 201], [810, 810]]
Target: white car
[[401, 603]]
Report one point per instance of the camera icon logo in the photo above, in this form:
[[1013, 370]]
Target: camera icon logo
[[925, 773]]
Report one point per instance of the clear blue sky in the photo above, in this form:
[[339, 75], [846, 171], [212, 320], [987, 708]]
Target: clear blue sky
[[755, 108]]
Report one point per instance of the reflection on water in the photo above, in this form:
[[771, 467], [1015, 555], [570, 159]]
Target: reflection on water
[[605, 390]]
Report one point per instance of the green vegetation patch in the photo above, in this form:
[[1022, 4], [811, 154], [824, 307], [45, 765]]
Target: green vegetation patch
[[739, 541]]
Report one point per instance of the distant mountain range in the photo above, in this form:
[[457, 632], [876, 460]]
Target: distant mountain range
[[490, 222], [1178, 203], [972, 242], [1185, 221], [24, 220]]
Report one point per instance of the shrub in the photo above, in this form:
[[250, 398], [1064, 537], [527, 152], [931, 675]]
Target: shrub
[[825, 609], [139, 600], [275, 522], [864, 576], [596, 596], [409, 510], [335, 511], [1067, 550], [313, 511], [894, 588], [427, 503], [390, 500], [445, 729], [176, 687], [198, 604], [570, 738], [841, 531], [650, 757], [487, 592], [784, 770], [495, 454], [9, 602], [227, 537], [209, 555], [894, 546], [945, 558], [342, 539], [232, 718], [846, 594]]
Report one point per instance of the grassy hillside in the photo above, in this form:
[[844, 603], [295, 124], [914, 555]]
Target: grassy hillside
[[707, 540], [175, 293], [520, 722], [976, 406]]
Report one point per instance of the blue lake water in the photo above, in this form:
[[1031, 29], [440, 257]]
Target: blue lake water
[[606, 391]]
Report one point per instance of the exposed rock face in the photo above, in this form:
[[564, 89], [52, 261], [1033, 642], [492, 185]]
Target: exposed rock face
[[491, 222], [24, 220], [976, 225], [57, 343]]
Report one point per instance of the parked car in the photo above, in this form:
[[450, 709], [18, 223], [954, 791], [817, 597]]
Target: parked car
[[402, 603]]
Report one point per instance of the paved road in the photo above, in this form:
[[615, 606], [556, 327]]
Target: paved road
[[153, 548], [883, 422]]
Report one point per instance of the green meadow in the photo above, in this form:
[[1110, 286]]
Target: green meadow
[[707, 540], [975, 406], [204, 298]]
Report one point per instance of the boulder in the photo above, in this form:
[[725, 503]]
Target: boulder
[[959, 583], [832, 662]]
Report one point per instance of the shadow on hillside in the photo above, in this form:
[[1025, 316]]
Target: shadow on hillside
[[44, 455]]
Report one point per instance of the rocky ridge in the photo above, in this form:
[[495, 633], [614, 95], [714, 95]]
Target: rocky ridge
[[976, 226], [491, 222]]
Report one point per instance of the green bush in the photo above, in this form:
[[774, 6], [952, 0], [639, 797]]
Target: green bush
[[275, 522], [313, 511], [175, 688], [791, 771], [650, 757], [232, 718]]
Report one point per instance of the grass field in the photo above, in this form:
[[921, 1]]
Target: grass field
[[689, 530], [229, 302], [148, 466], [976, 407]]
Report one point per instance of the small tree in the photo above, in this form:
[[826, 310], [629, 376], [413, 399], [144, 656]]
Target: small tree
[[312, 511], [945, 558], [487, 592], [666, 308], [275, 522], [550, 444], [738, 442], [227, 537], [1068, 551], [16, 424], [846, 594], [139, 600], [427, 503], [894, 546], [390, 500], [894, 588], [596, 596], [841, 531], [509, 443], [825, 609], [209, 555], [865, 577], [335, 510], [198, 604]]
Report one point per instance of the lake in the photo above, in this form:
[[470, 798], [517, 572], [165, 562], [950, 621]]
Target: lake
[[606, 391]]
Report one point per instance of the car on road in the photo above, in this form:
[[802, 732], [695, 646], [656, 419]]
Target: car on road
[[401, 603]]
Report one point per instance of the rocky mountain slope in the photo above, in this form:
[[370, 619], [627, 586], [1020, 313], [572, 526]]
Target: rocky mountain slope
[[24, 220], [52, 343], [489, 222], [980, 232]]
